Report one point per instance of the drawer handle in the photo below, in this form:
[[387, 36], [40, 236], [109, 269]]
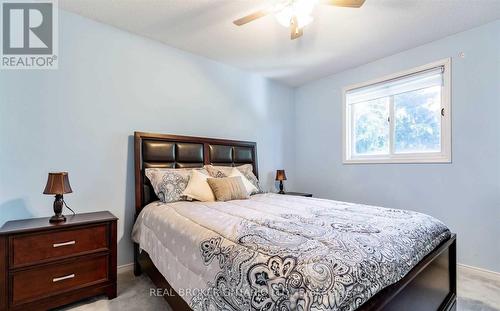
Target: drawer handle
[[62, 278], [64, 244]]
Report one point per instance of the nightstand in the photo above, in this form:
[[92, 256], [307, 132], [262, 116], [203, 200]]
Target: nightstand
[[46, 265], [300, 194]]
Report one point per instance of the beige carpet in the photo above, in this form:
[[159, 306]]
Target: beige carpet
[[477, 291], [133, 295]]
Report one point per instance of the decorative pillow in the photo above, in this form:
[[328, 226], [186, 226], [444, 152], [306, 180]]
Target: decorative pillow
[[248, 185], [228, 188], [247, 171], [225, 171], [218, 171], [169, 183], [198, 188]]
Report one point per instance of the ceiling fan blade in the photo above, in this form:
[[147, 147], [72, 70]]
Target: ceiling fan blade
[[346, 3], [297, 34], [295, 31], [251, 17]]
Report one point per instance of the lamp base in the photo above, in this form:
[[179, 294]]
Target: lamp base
[[281, 188], [57, 219], [58, 207]]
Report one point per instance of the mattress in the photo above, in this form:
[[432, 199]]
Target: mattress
[[277, 252]]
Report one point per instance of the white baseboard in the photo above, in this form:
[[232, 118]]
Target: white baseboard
[[125, 268], [492, 274]]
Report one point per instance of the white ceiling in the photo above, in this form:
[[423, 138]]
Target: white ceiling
[[338, 39]]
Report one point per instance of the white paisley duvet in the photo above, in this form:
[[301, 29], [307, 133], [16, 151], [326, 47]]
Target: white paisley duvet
[[276, 252]]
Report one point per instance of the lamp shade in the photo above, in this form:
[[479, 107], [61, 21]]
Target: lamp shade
[[57, 183], [280, 175]]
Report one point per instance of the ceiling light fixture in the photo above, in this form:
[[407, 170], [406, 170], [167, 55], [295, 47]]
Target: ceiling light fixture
[[296, 14], [300, 9]]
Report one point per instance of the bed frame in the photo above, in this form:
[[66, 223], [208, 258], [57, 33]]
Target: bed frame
[[430, 285]]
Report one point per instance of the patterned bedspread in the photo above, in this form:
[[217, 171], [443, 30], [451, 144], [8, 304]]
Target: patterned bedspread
[[275, 252]]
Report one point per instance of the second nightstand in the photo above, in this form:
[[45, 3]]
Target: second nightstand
[[300, 194], [44, 265]]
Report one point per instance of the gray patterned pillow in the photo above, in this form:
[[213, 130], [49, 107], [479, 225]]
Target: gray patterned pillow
[[225, 171], [169, 183]]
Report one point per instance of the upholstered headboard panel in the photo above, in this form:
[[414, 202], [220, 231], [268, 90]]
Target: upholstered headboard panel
[[230, 155], [172, 151]]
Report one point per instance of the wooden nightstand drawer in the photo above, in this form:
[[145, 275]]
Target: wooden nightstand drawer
[[33, 248], [57, 278]]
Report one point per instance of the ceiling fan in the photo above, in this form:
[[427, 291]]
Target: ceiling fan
[[295, 13]]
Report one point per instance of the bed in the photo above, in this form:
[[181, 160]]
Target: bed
[[275, 252]]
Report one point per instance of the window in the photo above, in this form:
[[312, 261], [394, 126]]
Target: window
[[404, 118]]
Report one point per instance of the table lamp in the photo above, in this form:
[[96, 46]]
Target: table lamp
[[58, 184], [280, 176]]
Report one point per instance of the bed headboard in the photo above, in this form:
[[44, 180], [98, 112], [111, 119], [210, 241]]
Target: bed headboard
[[174, 151]]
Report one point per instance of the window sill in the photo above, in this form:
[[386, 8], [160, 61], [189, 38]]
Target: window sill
[[401, 160]]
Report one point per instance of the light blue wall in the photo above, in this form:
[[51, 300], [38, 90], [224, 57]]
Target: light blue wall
[[80, 118], [464, 194]]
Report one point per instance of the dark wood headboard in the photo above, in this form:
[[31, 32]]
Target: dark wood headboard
[[174, 151]]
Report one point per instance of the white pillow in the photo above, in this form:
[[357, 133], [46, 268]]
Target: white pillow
[[248, 185], [198, 187]]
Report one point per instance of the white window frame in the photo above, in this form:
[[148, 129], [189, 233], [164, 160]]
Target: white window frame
[[435, 157]]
